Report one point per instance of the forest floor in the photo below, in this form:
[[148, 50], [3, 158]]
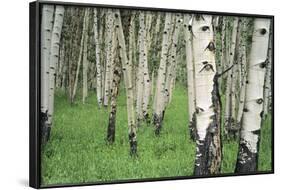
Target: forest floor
[[78, 153]]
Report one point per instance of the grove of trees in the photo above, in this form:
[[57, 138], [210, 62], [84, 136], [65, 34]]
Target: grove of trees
[[224, 62]]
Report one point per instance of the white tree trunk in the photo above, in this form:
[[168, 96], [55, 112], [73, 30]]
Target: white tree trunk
[[208, 150], [267, 85], [85, 60], [128, 84], [145, 45], [160, 90], [251, 121], [172, 60], [46, 34], [98, 62], [132, 52], [140, 75], [55, 45], [109, 62]]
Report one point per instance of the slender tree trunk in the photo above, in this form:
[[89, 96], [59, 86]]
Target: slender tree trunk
[[243, 61], [128, 84], [208, 142], [54, 57], [114, 93], [267, 85], [223, 61], [145, 45], [85, 60], [160, 90], [132, 52], [86, 14], [251, 121], [46, 34], [61, 65], [98, 62], [228, 116], [242, 71], [172, 60], [190, 75], [108, 67], [140, 74]]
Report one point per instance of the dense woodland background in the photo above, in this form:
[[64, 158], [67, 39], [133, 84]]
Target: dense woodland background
[[183, 94]]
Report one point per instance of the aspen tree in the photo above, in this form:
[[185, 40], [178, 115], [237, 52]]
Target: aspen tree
[[46, 35], [140, 72], [128, 84], [160, 85], [267, 85], [85, 60], [242, 63], [145, 45], [172, 60], [251, 121], [98, 61], [132, 51], [228, 116], [117, 71], [54, 55], [190, 74], [80, 57], [108, 65], [208, 142]]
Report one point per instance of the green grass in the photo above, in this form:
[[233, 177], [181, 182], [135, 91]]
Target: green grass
[[77, 151]]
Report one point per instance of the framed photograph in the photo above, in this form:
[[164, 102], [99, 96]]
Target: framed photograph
[[130, 94]]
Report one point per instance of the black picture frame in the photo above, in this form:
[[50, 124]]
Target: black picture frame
[[34, 91]]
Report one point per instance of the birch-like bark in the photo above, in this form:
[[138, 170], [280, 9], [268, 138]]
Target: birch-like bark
[[190, 75], [86, 14], [140, 75], [117, 71], [228, 116], [108, 67], [128, 84], [267, 85], [251, 120], [208, 142], [242, 64], [223, 61], [54, 57], [145, 45], [233, 131], [98, 62], [132, 52], [46, 34], [61, 65], [172, 60], [160, 90], [85, 60], [243, 61]]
